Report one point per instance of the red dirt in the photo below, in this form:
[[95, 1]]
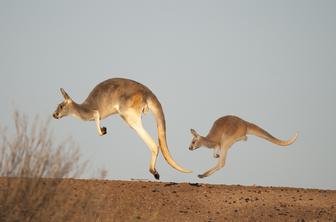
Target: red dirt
[[152, 201]]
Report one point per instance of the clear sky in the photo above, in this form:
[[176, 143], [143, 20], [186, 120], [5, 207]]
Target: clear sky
[[269, 62]]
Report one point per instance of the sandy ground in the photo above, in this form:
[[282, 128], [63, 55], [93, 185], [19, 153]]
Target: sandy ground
[[152, 201]]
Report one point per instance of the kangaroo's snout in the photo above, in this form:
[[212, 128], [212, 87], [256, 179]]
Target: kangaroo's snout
[[192, 148], [55, 116]]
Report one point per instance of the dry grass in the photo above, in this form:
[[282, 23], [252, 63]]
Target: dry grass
[[27, 158]]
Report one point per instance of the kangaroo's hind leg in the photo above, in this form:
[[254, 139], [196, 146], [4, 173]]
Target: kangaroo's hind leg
[[133, 119], [219, 165], [225, 146]]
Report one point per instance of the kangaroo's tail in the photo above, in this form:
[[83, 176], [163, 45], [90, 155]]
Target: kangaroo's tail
[[257, 131], [156, 108]]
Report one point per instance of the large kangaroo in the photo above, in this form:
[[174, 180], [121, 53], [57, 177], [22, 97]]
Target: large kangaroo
[[224, 133], [129, 99]]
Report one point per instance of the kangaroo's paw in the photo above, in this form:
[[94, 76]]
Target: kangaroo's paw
[[201, 176], [103, 131], [216, 155]]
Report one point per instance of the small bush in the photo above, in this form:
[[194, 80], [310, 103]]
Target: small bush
[[32, 166]]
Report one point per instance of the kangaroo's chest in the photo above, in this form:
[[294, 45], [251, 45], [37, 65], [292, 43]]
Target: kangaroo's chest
[[105, 104], [108, 110]]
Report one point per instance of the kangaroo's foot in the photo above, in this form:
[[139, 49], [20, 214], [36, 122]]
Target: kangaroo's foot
[[243, 138], [155, 174], [201, 176], [103, 131]]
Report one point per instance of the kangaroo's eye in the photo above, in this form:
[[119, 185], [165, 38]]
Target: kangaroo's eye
[[61, 106]]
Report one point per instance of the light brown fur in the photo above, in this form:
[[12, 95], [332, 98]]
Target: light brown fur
[[129, 99], [224, 133]]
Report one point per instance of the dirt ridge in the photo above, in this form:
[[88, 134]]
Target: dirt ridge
[[154, 201]]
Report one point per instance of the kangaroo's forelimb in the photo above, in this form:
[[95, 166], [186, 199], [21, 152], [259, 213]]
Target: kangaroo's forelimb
[[101, 130], [216, 152]]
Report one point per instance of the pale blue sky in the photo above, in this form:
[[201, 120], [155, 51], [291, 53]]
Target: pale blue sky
[[270, 62]]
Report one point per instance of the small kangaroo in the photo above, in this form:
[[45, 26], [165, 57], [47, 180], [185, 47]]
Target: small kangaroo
[[129, 99], [224, 133]]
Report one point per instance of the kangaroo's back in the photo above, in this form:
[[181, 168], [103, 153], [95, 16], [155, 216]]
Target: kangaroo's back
[[227, 126], [108, 95], [116, 88]]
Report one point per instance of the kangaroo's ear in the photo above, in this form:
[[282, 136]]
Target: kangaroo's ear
[[65, 95], [193, 132]]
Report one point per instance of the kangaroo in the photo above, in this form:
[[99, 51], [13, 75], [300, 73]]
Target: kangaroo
[[224, 133], [129, 99]]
